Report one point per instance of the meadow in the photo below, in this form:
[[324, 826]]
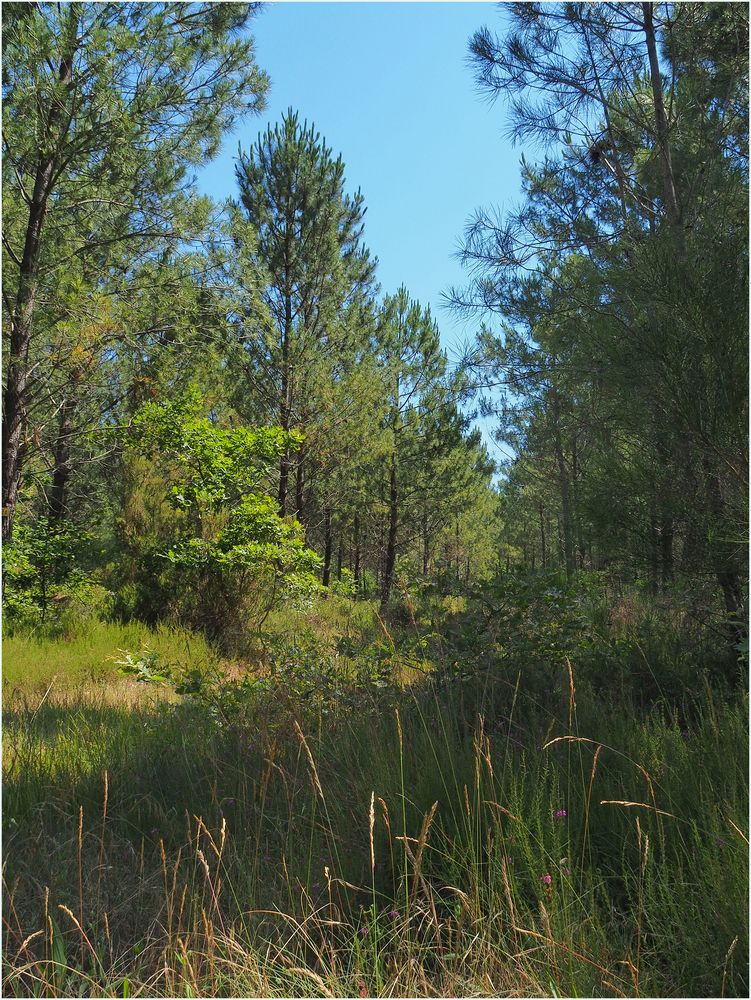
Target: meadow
[[540, 798]]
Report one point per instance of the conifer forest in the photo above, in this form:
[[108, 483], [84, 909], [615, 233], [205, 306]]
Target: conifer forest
[[341, 658]]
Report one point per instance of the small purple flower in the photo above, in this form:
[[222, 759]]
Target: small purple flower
[[153, 831], [363, 931], [685, 734], [561, 814], [546, 879], [393, 914]]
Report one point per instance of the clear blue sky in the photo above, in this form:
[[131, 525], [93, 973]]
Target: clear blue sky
[[389, 87]]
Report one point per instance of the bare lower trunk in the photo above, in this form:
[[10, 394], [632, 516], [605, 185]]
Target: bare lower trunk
[[725, 554], [356, 531], [564, 486], [390, 560], [667, 534], [542, 538], [327, 547], [300, 488], [58, 498]]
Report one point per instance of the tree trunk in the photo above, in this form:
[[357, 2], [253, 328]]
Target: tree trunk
[[284, 421], [356, 532], [654, 551], [456, 545], [16, 389], [327, 546], [542, 538], [300, 488], [667, 534], [575, 490], [390, 560], [662, 128], [340, 554], [724, 553], [285, 402], [58, 498], [564, 486]]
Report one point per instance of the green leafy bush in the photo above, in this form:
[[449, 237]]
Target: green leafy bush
[[231, 557]]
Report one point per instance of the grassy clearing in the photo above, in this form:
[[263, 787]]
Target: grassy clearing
[[85, 659], [445, 839]]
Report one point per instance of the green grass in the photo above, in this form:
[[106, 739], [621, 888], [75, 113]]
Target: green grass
[[31, 664], [393, 843]]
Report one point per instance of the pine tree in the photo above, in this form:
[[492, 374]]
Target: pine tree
[[309, 247]]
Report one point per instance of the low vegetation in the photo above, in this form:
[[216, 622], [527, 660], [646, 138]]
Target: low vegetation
[[510, 817]]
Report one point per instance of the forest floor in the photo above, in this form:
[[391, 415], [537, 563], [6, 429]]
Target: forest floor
[[472, 800]]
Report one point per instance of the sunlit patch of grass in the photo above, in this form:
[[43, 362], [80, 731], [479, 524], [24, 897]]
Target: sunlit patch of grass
[[86, 662]]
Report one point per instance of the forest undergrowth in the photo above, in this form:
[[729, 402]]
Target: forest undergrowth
[[531, 789]]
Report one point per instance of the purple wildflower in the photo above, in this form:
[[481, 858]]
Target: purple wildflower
[[363, 931], [561, 814], [546, 879]]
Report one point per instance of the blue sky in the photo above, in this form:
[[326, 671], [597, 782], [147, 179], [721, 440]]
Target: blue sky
[[389, 87]]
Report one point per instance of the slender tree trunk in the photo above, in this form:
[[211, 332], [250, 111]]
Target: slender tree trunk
[[17, 379], [542, 539], [58, 498], [667, 534], [425, 547], [724, 554], [340, 554], [285, 402], [327, 546], [284, 419], [575, 490], [564, 487], [670, 193], [654, 551], [390, 560], [300, 487], [356, 532]]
